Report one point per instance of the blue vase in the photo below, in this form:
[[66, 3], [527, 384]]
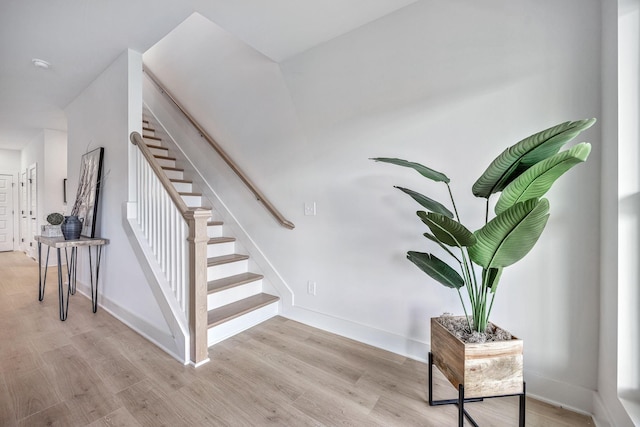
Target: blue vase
[[71, 227]]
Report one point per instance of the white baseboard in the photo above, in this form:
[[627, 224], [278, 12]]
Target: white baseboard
[[558, 393], [601, 414], [162, 339], [363, 333]]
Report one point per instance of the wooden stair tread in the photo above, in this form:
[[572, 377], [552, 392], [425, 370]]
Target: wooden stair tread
[[155, 138], [147, 127], [159, 147], [236, 309], [185, 181], [232, 281], [215, 223], [225, 259], [215, 240], [184, 193], [164, 157], [172, 169]]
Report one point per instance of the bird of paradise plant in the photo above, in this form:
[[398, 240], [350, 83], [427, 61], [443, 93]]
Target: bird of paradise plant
[[522, 173]]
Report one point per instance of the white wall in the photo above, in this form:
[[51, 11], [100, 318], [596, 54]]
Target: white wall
[[449, 85], [99, 117], [55, 171], [10, 161]]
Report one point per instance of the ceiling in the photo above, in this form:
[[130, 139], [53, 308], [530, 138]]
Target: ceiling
[[81, 38]]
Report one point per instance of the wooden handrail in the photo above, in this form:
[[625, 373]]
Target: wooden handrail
[[228, 160]]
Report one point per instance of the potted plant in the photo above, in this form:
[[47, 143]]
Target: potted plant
[[53, 229], [522, 173]]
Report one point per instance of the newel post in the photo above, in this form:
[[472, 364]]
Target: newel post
[[197, 221]]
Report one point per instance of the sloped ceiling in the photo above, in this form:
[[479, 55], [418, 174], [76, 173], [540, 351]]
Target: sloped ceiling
[[80, 38]]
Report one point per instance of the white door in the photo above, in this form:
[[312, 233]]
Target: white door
[[24, 212], [6, 213], [32, 200]]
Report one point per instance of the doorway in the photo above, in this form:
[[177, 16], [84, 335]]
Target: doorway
[[6, 213]]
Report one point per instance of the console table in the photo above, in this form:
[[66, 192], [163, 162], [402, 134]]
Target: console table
[[94, 268]]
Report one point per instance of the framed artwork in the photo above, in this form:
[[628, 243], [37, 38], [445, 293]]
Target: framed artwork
[[86, 203]]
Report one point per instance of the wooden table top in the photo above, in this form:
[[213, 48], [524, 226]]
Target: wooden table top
[[60, 242]]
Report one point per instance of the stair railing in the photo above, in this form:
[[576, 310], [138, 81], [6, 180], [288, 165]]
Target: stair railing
[[178, 238], [228, 160]]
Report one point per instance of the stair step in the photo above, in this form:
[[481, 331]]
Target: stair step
[[165, 161], [216, 240], [154, 138], [173, 173], [164, 157], [187, 193], [214, 229], [232, 281], [220, 245], [237, 309], [158, 150], [226, 259]]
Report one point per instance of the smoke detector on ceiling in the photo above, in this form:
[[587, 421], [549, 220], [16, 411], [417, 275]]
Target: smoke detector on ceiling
[[41, 63]]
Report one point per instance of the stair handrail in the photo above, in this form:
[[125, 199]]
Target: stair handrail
[[228, 160], [196, 219]]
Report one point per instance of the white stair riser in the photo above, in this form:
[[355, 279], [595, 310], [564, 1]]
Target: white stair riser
[[183, 187], [147, 132], [159, 151], [193, 201], [241, 323], [219, 249], [214, 230], [218, 299], [171, 174], [225, 270], [166, 162]]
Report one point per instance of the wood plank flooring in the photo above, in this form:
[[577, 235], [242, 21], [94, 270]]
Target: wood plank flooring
[[92, 370]]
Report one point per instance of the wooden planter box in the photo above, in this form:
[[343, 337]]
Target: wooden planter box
[[485, 370]]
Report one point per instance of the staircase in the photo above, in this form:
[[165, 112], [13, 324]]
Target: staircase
[[235, 299]]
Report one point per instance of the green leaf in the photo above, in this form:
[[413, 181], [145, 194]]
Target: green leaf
[[522, 155], [538, 179], [492, 277], [427, 202], [435, 239], [447, 230], [511, 235], [437, 269], [421, 169]]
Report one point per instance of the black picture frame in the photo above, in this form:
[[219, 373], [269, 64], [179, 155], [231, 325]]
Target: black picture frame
[[64, 190], [86, 204]]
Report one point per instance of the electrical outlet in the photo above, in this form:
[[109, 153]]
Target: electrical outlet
[[310, 208], [311, 287]]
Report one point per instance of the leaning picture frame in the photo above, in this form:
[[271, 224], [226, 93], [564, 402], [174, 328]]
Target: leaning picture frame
[[87, 196]]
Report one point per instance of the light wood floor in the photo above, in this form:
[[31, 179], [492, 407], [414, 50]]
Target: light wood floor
[[93, 370]]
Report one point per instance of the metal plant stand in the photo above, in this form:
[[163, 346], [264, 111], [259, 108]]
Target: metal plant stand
[[461, 400], [72, 264]]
